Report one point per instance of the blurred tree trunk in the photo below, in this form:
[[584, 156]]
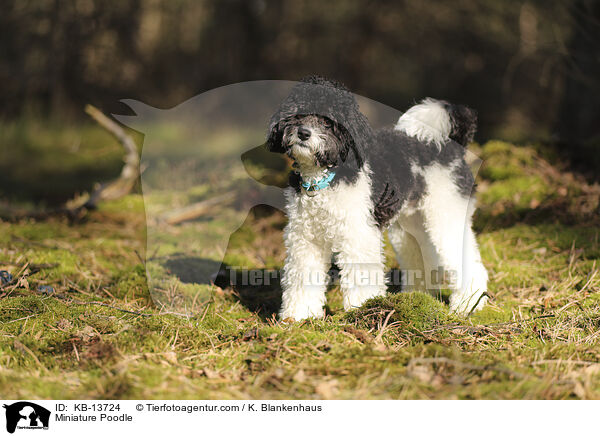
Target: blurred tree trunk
[[56, 49], [579, 120]]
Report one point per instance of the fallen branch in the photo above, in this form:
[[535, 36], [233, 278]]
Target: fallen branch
[[77, 207], [131, 170], [196, 210]]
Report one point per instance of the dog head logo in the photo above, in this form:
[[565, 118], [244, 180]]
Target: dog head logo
[[26, 415]]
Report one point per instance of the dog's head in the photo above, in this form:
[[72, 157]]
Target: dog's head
[[320, 124], [312, 140]]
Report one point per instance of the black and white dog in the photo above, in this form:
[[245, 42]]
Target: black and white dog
[[351, 183]]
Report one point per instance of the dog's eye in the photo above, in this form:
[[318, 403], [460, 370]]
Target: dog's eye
[[328, 123]]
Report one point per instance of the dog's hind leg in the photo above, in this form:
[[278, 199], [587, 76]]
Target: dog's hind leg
[[408, 254], [304, 279], [472, 294], [417, 255], [447, 220]]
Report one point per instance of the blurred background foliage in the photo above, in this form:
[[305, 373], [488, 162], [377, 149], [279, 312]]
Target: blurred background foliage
[[531, 68]]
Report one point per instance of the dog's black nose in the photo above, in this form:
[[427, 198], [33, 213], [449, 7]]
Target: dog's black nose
[[303, 133]]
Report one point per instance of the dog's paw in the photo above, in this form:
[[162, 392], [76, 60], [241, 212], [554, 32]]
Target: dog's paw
[[356, 296], [295, 314]]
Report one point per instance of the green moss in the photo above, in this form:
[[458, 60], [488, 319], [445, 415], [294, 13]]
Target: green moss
[[411, 310], [491, 315], [520, 191]]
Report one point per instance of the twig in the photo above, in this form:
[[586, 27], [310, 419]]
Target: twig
[[32, 266], [196, 210], [99, 303], [76, 352], [563, 362], [21, 319], [471, 367], [133, 312], [130, 172], [384, 325], [77, 207], [25, 350], [487, 326]]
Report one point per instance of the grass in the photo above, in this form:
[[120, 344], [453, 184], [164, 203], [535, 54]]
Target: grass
[[99, 334]]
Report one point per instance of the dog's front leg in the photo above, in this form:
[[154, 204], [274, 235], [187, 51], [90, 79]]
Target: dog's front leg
[[360, 259], [304, 280]]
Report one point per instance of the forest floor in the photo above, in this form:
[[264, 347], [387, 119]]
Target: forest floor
[[96, 333]]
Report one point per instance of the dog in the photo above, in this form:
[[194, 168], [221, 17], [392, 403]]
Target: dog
[[350, 183]]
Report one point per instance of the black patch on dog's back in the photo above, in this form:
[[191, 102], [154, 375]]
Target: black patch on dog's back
[[392, 181], [390, 159], [463, 179]]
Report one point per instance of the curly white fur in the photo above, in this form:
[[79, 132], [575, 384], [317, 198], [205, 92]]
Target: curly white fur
[[427, 121], [328, 224], [441, 225]]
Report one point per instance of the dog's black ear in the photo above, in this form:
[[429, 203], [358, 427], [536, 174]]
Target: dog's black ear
[[346, 140], [464, 123], [348, 151], [358, 135], [275, 138]]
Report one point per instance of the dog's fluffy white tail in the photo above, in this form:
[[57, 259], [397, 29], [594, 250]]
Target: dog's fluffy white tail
[[428, 121], [437, 121]]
